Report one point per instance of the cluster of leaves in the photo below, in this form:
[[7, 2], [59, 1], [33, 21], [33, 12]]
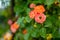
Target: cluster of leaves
[[35, 30]]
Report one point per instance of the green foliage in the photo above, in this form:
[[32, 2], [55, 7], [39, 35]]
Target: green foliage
[[49, 2], [43, 32], [51, 23], [35, 30]]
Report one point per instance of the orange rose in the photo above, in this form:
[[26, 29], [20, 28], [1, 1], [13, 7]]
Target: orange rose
[[39, 8], [14, 27], [24, 31], [40, 18], [32, 14]]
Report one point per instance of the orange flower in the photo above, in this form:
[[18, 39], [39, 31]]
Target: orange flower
[[32, 14], [32, 5], [39, 8], [24, 31], [40, 18], [14, 27]]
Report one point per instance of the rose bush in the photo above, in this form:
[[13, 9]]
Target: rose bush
[[36, 19]]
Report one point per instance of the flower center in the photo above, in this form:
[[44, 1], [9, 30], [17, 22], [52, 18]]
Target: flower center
[[40, 17]]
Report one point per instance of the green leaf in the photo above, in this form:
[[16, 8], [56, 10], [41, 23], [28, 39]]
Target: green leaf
[[49, 2], [15, 37], [28, 19], [27, 11], [33, 31], [43, 32], [38, 1], [55, 33], [58, 23], [54, 30], [20, 21], [21, 36], [34, 34], [59, 32], [58, 1], [48, 24], [41, 1], [18, 9], [26, 36]]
